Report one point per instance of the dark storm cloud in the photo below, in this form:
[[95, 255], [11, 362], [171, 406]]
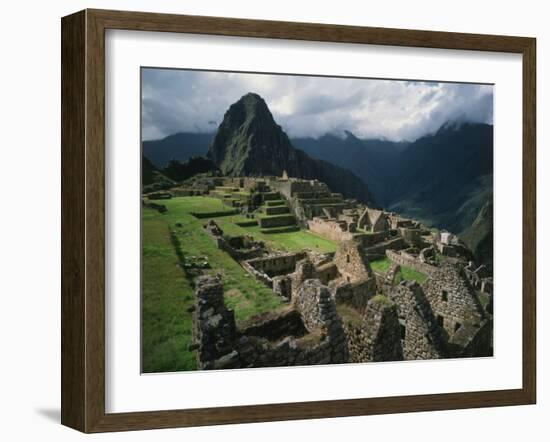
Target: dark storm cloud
[[195, 101]]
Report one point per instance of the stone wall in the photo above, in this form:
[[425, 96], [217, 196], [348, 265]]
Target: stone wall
[[289, 187], [411, 236], [351, 262], [318, 311], [380, 248], [308, 332], [238, 247], [355, 294], [214, 327], [274, 265], [327, 272], [415, 264], [330, 229], [370, 239], [422, 336], [377, 335], [454, 302], [277, 221]]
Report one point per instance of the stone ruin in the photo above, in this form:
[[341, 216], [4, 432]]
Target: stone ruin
[[337, 309], [307, 332], [238, 247]]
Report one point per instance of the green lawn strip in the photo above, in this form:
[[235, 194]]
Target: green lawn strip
[[166, 295], [288, 241], [381, 265], [408, 274], [243, 293]]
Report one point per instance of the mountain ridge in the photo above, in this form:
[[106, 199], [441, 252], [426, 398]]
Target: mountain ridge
[[250, 143]]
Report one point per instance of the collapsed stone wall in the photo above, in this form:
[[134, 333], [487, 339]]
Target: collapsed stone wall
[[413, 263], [377, 335], [238, 247], [355, 294], [274, 265], [318, 311], [422, 336], [214, 327], [308, 332], [327, 272]]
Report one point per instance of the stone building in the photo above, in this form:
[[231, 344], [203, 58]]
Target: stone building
[[373, 220]]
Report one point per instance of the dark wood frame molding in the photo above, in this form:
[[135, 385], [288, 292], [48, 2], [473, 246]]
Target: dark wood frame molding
[[83, 217]]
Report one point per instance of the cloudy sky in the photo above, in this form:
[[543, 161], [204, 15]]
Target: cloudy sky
[[195, 101]]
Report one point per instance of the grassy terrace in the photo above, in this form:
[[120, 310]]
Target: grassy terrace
[[166, 294], [167, 291], [406, 273], [381, 265]]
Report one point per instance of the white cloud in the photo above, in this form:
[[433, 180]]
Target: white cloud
[[195, 101]]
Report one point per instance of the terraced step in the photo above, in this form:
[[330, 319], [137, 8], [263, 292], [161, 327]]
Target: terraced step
[[285, 229], [332, 205], [277, 221], [271, 196], [249, 223], [330, 200], [276, 203], [307, 195], [275, 210]]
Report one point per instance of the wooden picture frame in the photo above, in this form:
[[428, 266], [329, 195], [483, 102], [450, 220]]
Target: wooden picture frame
[[83, 220]]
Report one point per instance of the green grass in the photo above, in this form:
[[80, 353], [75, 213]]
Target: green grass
[[166, 292], [381, 265], [382, 300], [408, 274], [288, 241], [483, 299]]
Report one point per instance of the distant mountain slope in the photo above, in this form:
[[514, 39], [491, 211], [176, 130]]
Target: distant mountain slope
[[180, 146], [444, 178], [152, 178], [479, 236], [250, 143], [377, 162], [182, 170]]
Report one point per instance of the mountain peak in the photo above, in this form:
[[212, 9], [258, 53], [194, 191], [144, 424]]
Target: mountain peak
[[251, 103], [250, 143]]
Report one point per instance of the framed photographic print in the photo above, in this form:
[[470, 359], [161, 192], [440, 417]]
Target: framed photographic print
[[270, 220]]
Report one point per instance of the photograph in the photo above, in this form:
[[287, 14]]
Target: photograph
[[295, 220]]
